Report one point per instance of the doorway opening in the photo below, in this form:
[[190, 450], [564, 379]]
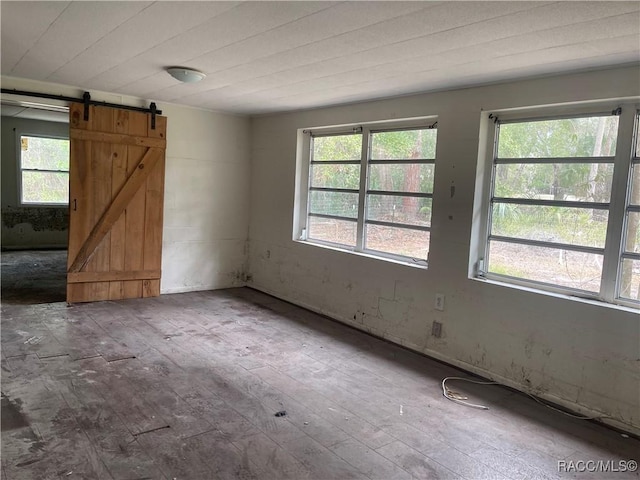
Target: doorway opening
[[35, 201]]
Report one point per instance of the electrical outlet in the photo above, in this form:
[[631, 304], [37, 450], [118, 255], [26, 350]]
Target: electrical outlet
[[439, 305], [436, 329]]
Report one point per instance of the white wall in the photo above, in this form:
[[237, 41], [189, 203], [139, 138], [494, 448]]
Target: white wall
[[206, 208], [206, 200], [582, 355]]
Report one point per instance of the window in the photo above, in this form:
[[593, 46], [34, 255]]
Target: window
[[370, 189], [555, 220], [44, 170], [629, 281]]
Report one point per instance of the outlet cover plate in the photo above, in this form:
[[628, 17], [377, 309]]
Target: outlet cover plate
[[436, 329]]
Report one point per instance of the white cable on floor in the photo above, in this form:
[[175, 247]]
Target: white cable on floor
[[451, 395], [579, 417]]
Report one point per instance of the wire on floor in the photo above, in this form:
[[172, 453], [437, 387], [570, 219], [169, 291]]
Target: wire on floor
[[459, 398]]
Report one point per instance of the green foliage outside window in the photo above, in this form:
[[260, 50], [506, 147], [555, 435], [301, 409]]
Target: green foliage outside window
[[44, 164], [408, 145], [579, 166]]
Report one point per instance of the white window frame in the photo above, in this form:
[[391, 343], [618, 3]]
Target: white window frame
[[305, 154], [617, 207], [629, 208], [20, 169]]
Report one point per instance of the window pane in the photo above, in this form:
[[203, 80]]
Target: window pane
[[331, 230], [404, 145], [573, 226], [335, 176], [630, 279], [638, 136], [398, 241], [632, 243], [556, 181], [337, 147], [398, 209], [565, 268], [567, 137], [45, 187], [635, 185], [44, 153], [334, 203], [412, 177]]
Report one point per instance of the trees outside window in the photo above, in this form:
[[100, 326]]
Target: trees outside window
[[44, 170], [370, 190], [555, 220]]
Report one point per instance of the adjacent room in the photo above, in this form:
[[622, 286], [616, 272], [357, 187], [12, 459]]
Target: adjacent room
[[35, 199], [320, 240]]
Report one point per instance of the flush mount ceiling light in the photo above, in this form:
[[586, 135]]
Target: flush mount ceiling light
[[185, 75]]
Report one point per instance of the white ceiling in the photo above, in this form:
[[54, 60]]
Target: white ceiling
[[273, 56]]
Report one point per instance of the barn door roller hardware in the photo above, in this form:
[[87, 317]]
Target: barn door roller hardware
[[86, 100], [86, 97]]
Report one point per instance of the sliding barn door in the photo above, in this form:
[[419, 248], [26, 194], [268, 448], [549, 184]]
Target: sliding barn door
[[116, 189]]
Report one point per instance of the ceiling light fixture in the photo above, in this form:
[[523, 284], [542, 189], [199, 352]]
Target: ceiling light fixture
[[185, 75]]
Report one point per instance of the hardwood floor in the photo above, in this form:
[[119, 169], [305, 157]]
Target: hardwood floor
[[187, 387]]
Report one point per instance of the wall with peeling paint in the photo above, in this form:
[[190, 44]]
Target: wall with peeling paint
[[583, 355], [28, 227]]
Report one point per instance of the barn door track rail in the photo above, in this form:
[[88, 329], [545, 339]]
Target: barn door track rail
[[86, 101]]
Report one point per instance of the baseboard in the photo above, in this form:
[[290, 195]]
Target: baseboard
[[571, 407], [200, 288], [13, 248]]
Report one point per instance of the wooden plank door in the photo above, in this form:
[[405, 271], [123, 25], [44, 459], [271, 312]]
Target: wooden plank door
[[116, 192]]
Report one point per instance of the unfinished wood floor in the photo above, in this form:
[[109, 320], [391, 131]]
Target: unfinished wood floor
[[33, 276], [186, 387]]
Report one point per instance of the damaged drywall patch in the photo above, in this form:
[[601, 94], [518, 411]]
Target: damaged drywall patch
[[41, 218]]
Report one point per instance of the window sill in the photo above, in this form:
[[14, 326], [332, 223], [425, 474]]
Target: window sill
[[564, 296], [43, 205], [383, 258]]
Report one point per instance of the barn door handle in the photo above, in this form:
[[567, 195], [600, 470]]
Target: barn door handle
[[75, 204]]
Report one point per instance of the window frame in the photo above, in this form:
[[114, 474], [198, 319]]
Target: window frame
[[622, 162], [366, 130], [629, 208], [20, 169]]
